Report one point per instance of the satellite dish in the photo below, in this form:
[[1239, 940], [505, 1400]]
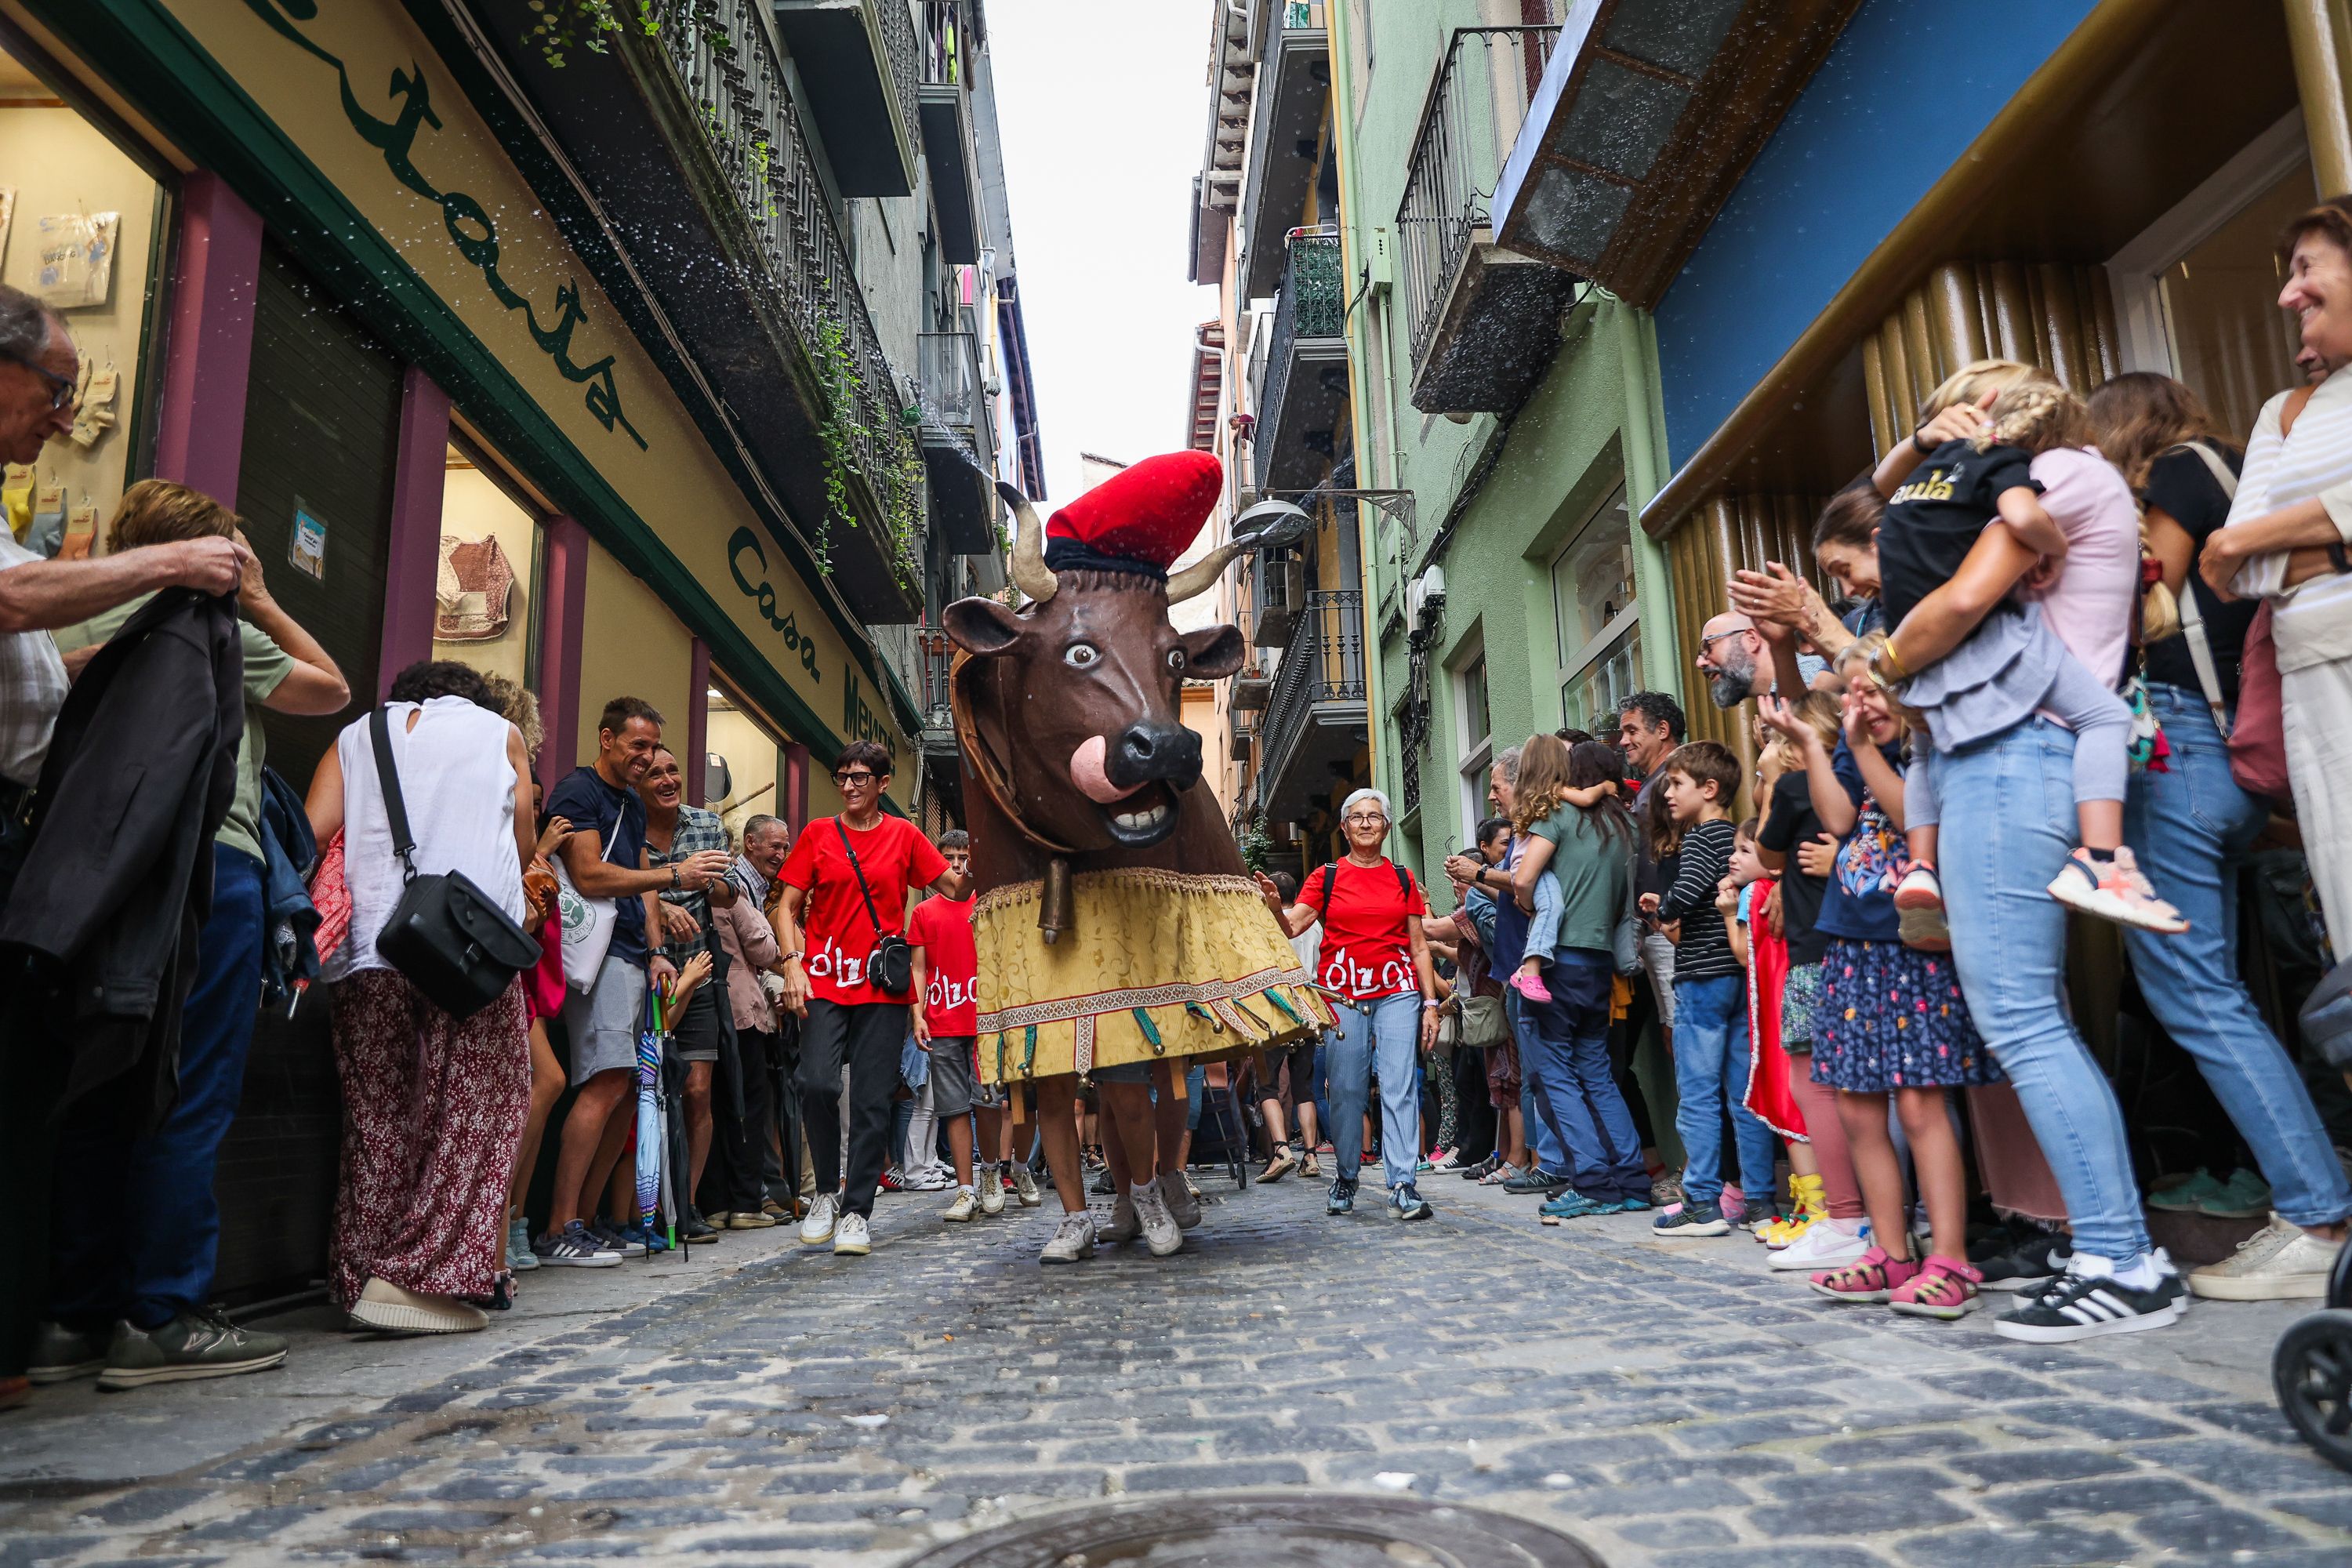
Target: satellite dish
[[1273, 523]]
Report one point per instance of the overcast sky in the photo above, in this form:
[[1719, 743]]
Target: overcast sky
[[1102, 107]]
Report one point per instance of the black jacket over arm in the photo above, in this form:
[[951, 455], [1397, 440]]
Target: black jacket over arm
[[140, 774]]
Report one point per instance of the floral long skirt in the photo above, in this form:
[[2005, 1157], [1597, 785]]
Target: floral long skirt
[[432, 1110]]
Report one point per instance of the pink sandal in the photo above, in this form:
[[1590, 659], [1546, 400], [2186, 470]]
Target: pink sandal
[[1944, 1287], [1873, 1278]]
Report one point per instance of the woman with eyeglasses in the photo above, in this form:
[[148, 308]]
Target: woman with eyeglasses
[[1376, 957], [846, 884]]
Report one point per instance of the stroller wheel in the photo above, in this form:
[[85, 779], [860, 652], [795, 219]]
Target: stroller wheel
[[2312, 1372]]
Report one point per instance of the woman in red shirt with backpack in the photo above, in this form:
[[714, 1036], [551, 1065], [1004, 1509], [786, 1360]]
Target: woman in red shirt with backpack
[[1376, 959]]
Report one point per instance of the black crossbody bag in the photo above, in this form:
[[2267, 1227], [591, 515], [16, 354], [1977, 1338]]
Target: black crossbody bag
[[891, 965], [447, 937]]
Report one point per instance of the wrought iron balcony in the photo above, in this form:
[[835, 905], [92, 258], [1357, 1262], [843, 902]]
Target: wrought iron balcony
[[1479, 318], [959, 446], [950, 47], [1316, 714], [1293, 83], [859, 61], [1307, 366]]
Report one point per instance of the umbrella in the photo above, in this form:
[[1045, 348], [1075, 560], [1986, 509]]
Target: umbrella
[[654, 1196]]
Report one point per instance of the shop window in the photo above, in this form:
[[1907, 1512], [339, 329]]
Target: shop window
[[1595, 615], [744, 762], [486, 597], [1474, 727], [78, 225]]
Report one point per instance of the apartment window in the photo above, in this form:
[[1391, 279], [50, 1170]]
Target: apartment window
[[1596, 619], [1475, 727]]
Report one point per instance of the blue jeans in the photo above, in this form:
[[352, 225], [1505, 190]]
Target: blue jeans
[[152, 1258], [1545, 1142], [1573, 1095], [2009, 824], [1711, 1071], [1390, 1038], [2189, 826]]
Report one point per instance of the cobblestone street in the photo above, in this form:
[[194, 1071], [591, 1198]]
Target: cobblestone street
[[1676, 1407]]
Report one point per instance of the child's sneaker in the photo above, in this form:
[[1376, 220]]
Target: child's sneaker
[[1944, 1287], [2112, 888], [1918, 890], [1871, 1278], [1529, 985], [1925, 930], [1690, 1219], [1823, 1245], [1757, 1212], [1805, 1198]]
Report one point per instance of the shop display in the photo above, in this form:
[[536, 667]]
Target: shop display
[[471, 593], [77, 258]]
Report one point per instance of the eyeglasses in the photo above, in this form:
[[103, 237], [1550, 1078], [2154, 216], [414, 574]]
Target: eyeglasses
[[1361, 820], [1707, 642], [855, 777], [61, 388]]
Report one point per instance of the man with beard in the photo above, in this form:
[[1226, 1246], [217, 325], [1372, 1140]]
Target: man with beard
[[1733, 656]]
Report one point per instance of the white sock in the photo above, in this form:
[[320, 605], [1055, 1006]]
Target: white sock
[[1141, 1190], [964, 1187], [2145, 1274]]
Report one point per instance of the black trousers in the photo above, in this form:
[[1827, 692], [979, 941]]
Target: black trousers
[[739, 1143], [867, 1039]]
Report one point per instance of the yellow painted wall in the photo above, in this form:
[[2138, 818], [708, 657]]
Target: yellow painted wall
[[473, 508], [55, 162], [753, 760], [630, 645]]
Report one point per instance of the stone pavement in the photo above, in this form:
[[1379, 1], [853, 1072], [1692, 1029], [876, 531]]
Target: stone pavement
[[1674, 1407]]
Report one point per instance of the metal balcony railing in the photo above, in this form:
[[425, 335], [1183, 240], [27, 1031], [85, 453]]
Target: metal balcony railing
[[906, 51], [1472, 117], [942, 43], [725, 63], [948, 363], [939, 658], [1322, 664], [1313, 304]]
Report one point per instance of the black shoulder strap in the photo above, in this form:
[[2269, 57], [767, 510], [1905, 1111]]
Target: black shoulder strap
[[860, 871], [1330, 875], [1404, 881], [395, 810]]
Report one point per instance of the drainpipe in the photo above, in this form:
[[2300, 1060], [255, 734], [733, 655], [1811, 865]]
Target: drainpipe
[[2319, 39]]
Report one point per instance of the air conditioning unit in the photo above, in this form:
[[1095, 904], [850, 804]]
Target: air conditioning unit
[[1423, 594]]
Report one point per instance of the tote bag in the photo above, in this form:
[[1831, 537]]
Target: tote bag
[[587, 927], [2257, 735]]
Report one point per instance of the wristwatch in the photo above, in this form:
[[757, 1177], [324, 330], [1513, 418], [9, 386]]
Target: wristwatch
[[674, 883]]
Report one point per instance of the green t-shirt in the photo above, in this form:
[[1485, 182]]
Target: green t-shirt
[[1595, 877], [266, 665]]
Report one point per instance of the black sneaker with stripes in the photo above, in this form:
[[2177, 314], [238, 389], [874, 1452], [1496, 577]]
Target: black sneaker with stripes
[[2082, 1305]]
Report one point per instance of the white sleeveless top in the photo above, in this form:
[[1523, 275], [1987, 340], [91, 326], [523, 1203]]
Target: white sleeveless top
[[460, 789], [2312, 623]]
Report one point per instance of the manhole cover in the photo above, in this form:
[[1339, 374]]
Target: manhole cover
[[1268, 1530]]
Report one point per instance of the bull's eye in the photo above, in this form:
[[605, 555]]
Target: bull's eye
[[1176, 660], [1081, 656]]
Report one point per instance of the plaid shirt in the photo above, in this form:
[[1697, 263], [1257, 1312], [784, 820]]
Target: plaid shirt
[[31, 688], [697, 830]]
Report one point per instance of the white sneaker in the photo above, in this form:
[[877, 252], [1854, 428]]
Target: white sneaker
[[1161, 1232], [1073, 1239], [817, 1229], [1024, 1186], [966, 1205], [849, 1237], [1823, 1246], [2281, 1262], [930, 1179], [991, 1191], [1125, 1224], [1183, 1203]]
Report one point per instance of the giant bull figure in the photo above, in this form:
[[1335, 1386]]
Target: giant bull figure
[[1084, 798]]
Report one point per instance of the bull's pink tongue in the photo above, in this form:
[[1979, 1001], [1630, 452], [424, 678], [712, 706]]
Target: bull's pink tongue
[[1087, 772]]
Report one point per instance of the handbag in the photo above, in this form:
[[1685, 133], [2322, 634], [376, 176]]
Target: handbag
[[1484, 1021], [890, 967], [586, 924], [2257, 736], [445, 936]]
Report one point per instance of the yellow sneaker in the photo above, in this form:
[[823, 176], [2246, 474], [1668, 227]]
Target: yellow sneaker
[[1805, 1199]]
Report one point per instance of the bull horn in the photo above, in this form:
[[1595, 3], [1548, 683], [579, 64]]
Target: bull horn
[[1268, 523], [1030, 573]]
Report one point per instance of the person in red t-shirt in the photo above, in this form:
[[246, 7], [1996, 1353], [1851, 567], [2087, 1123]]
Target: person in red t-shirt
[[850, 1019], [947, 977], [1374, 955]]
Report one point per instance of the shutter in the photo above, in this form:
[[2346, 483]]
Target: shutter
[[322, 424]]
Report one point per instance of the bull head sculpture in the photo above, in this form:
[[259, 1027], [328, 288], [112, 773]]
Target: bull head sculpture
[[1070, 707]]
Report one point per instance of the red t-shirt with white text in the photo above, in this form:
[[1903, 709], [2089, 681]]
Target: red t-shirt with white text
[[942, 929], [1367, 950], [834, 926]]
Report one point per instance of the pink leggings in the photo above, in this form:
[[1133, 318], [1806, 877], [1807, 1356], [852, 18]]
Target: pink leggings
[[1840, 1188]]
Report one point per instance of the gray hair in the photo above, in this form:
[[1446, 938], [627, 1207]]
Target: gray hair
[[1508, 761], [25, 325], [1349, 803], [761, 824]]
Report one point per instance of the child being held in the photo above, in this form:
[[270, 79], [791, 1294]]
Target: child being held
[[1996, 418], [1543, 792]]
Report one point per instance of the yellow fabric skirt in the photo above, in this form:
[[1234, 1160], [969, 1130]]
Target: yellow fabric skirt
[[1155, 964]]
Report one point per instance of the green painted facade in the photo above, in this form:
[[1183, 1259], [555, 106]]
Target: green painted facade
[[1536, 487]]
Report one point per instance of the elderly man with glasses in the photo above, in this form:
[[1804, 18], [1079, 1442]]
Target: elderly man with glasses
[[845, 886]]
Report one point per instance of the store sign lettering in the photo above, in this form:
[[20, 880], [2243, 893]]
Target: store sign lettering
[[762, 594], [469, 226], [860, 722]]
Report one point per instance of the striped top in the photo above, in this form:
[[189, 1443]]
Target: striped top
[[2312, 623]]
